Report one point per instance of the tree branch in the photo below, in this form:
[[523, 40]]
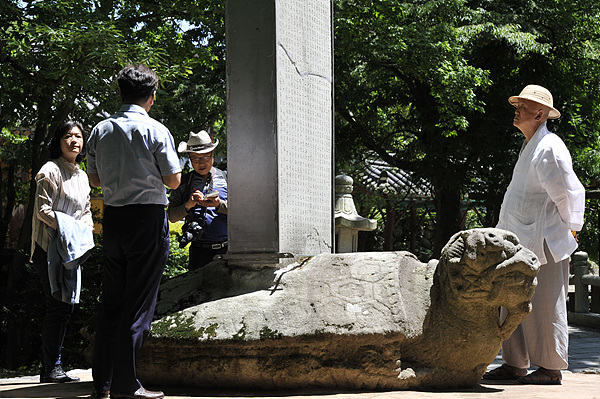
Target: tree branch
[[27, 73]]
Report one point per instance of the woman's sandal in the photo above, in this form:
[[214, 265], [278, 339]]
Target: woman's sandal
[[542, 376], [504, 372]]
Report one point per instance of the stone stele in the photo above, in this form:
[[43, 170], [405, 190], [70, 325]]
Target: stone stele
[[376, 321]]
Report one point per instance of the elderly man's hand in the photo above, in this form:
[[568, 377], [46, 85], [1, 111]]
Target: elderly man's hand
[[211, 199], [195, 199]]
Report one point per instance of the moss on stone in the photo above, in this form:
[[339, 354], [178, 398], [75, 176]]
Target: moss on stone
[[347, 327], [181, 327], [241, 334], [267, 333]]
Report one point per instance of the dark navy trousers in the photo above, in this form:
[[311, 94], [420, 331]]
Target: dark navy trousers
[[56, 317], [200, 257], [136, 247]]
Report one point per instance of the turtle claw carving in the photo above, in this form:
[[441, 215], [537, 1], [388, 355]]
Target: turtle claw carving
[[515, 317]]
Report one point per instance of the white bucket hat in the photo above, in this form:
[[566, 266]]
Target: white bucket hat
[[199, 143], [538, 94]]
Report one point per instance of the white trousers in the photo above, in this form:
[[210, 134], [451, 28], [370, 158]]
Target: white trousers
[[542, 339]]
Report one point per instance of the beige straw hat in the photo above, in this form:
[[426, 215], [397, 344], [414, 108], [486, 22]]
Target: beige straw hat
[[540, 95], [199, 143]]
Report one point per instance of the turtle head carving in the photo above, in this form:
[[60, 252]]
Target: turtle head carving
[[489, 266], [479, 270]]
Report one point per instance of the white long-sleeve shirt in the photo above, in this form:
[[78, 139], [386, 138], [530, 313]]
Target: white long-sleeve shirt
[[545, 200], [61, 186]]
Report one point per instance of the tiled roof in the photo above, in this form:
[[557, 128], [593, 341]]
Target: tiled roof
[[378, 176]]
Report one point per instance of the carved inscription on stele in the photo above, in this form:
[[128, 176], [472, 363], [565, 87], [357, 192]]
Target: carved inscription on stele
[[304, 125]]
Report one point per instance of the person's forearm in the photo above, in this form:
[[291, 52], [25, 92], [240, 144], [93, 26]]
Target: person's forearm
[[176, 213], [48, 217], [94, 179], [222, 207], [172, 181]]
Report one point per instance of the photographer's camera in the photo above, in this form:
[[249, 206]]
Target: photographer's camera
[[189, 232]]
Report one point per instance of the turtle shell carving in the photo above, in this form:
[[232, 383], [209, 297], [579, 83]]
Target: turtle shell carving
[[351, 321]]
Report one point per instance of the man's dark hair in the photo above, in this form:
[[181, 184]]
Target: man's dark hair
[[54, 145], [137, 82]]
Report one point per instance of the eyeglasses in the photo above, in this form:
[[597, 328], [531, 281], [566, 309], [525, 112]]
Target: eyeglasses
[[200, 159]]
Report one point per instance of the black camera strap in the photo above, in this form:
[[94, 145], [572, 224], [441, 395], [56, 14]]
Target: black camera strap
[[208, 188]]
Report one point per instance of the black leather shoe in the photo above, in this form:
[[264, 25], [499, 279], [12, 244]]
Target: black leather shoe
[[100, 394], [141, 393], [57, 375]]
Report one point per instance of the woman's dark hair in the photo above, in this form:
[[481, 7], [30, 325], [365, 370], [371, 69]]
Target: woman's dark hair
[[137, 82], [54, 146]]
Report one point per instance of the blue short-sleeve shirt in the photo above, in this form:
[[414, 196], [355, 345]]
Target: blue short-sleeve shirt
[[131, 152]]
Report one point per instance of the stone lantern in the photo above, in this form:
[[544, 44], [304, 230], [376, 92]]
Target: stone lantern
[[347, 221]]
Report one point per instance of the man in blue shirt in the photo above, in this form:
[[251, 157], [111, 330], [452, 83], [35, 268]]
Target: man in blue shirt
[[201, 198], [132, 157]]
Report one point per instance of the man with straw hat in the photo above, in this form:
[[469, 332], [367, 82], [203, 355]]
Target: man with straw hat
[[201, 200], [543, 204]]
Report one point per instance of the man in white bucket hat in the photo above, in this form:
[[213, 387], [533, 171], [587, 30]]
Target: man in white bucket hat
[[543, 205], [201, 200]]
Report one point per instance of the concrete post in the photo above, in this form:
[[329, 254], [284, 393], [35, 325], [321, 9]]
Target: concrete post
[[580, 268]]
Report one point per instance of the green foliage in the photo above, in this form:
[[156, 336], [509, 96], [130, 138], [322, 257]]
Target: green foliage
[[14, 146], [14, 153], [20, 320], [588, 237], [175, 228], [587, 163], [178, 260], [424, 85], [58, 61]]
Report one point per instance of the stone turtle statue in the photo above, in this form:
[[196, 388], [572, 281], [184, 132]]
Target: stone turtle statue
[[479, 271], [349, 321]]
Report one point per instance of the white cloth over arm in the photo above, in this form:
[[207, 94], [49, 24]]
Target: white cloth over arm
[[69, 247]]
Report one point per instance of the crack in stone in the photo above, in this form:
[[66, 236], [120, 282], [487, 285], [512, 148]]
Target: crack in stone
[[276, 284], [302, 73]]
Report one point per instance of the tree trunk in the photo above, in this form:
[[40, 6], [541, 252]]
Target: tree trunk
[[447, 205], [388, 229], [9, 188]]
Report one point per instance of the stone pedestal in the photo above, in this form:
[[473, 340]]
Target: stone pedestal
[[280, 130], [347, 321]]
